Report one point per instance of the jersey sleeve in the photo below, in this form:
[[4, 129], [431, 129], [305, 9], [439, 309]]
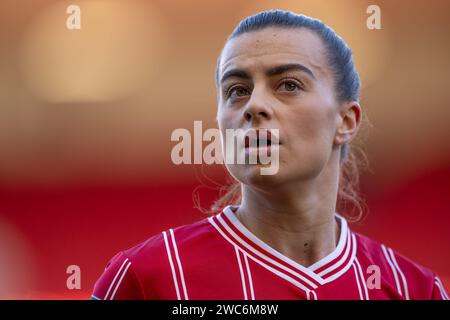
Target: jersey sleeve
[[118, 281], [413, 281], [439, 292]]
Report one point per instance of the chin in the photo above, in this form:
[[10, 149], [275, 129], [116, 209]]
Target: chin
[[251, 175]]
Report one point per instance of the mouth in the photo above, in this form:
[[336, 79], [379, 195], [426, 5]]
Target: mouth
[[261, 138]]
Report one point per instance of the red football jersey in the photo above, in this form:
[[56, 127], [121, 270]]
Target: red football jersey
[[219, 258]]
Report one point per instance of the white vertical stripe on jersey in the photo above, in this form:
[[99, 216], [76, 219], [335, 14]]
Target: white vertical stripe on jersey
[[244, 288], [441, 288], [180, 268], [280, 274], [115, 277], [169, 256], [388, 259], [311, 293], [405, 284], [363, 279], [443, 295], [358, 282], [120, 281], [249, 275]]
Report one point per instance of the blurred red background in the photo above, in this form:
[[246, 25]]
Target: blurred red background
[[86, 117]]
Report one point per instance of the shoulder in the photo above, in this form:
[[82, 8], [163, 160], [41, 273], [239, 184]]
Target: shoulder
[[409, 278], [143, 270], [185, 235]]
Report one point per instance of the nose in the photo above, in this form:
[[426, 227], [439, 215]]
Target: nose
[[258, 107]]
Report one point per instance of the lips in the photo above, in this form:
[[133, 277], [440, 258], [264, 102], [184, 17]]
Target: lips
[[260, 138]]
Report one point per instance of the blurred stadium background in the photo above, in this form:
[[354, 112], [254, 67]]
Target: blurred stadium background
[[86, 117]]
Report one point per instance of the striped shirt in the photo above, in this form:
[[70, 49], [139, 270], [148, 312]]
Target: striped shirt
[[219, 258]]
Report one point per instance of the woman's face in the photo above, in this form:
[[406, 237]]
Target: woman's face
[[280, 79]]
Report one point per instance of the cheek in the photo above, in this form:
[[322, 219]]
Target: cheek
[[227, 121], [311, 134], [224, 122], [225, 118], [312, 127]]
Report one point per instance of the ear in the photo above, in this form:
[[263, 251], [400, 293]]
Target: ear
[[349, 122]]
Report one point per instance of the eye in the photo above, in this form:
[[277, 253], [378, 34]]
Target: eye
[[237, 91], [290, 85]]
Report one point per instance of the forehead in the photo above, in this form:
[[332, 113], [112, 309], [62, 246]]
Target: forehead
[[274, 45]]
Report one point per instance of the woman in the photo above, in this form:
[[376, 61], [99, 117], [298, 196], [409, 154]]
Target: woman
[[284, 240]]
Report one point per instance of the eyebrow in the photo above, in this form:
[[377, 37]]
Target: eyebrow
[[289, 67], [239, 73], [235, 73]]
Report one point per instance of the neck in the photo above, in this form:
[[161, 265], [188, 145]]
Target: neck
[[296, 220]]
